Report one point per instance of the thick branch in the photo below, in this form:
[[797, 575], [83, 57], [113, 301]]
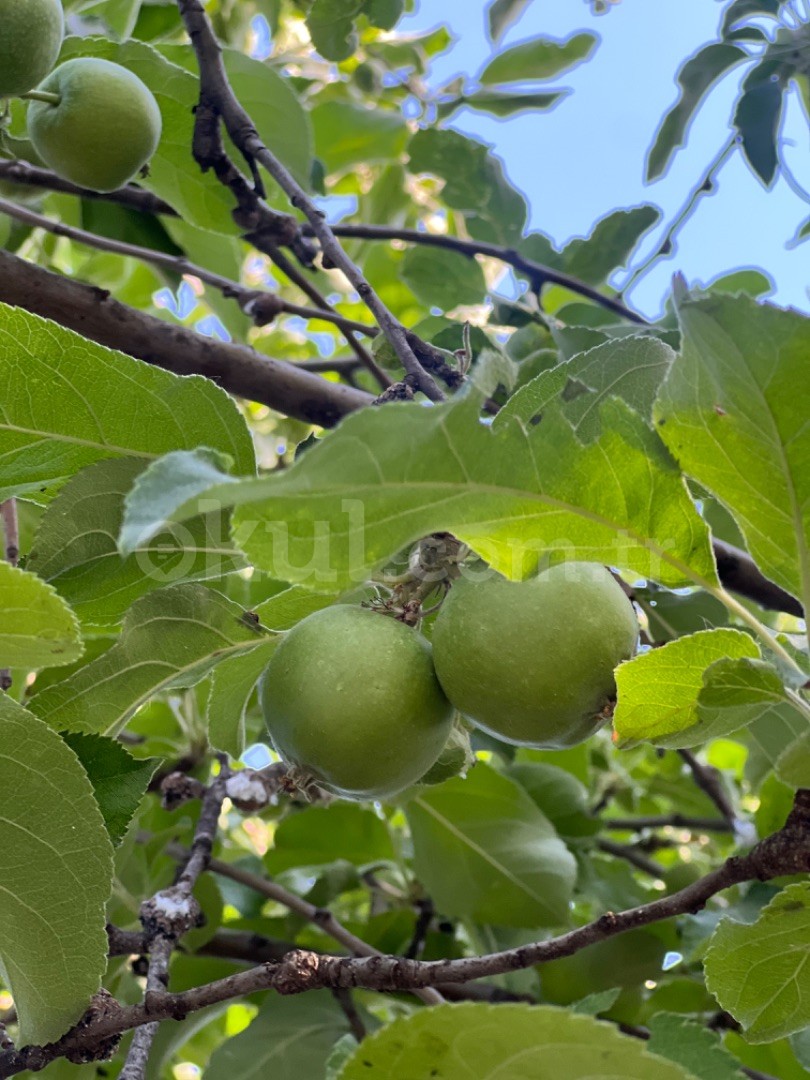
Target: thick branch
[[739, 573], [242, 371], [786, 852], [217, 100], [538, 273]]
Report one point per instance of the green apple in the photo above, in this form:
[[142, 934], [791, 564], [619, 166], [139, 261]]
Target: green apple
[[104, 128], [532, 662], [351, 699], [31, 33]]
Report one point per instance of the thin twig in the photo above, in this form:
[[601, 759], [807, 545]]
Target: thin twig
[[11, 553], [786, 852], [704, 186], [662, 821], [136, 198], [321, 917], [538, 273], [218, 102], [259, 305], [708, 780], [169, 914], [629, 854]]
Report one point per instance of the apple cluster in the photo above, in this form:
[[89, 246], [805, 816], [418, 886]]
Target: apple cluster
[[92, 121], [363, 705]]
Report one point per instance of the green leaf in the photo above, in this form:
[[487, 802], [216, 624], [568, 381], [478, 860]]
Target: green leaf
[[610, 244], [509, 866], [598, 1002], [503, 103], [75, 547], [66, 402], [442, 278], [658, 690], [170, 638], [511, 494], [119, 780], [793, 764], [57, 875], [347, 134], [501, 15], [523, 1042], [559, 795], [735, 693], [760, 973], [539, 58], [174, 175], [232, 683], [474, 180], [119, 15], [691, 1044], [331, 27], [752, 282], [319, 835], [290, 1039], [730, 413], [631, 368], [741, 9], [39, 630], [695, 79], [757, 118]]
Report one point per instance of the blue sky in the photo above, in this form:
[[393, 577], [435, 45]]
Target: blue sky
[[586, 157]]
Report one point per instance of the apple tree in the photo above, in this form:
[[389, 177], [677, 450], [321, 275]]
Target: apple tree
[[402, 676]]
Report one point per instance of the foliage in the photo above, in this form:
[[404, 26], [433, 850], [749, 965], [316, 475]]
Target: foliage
[[216, 421]]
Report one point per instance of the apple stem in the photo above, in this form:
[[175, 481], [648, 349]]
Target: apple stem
[[42, 95]]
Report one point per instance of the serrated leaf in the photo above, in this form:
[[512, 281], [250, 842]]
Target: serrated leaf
[[443, 279], [695, 79], [730, 413], [523, 1042], [760, 973], [793, 764], [57, 874], [509, 866], [691, 1044], [75, 546], [631, 369], [538, 58], [170, 638], [354, 500], [119, 780], [233, 680], [658, 690], [39, 630], [774, 733], [735, 692], [66, 402], [291, 1038], [321, 834]]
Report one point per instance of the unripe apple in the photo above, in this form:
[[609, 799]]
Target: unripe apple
[[532, 662], [31, 33], [104, 129], [351, 699]]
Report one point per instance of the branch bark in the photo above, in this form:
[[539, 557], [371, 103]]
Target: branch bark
[[786, 852], [218, 101], [92, 312]]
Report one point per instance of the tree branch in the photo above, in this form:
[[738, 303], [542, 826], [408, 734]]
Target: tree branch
[[708, 780], [218, 101], [136, 198], [261, 306], [169, 914], [786, 852], [92, 312], [661, 821], [538, 273], [739, 573]]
